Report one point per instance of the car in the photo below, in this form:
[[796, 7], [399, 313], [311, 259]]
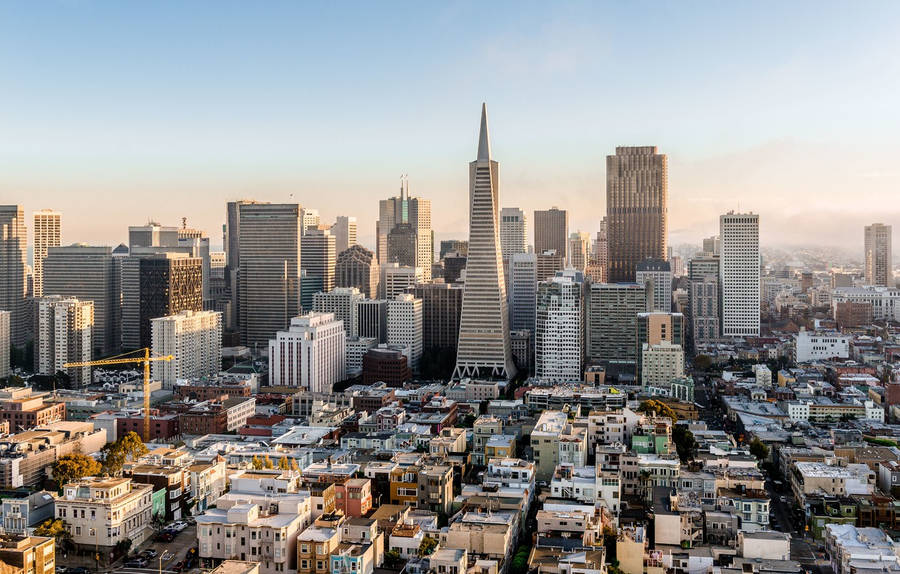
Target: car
[[77, 570], [165, 536], [177, 526], [137, 563], [178, 566], [149, 554]]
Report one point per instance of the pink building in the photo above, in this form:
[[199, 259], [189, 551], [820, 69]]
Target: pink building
[[354, 497]]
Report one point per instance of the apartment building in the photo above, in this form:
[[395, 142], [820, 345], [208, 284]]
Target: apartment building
[[101, 512]]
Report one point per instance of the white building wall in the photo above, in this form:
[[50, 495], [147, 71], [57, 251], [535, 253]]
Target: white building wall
[[311, 354], [194, 338], [739, 274], [404, 326]]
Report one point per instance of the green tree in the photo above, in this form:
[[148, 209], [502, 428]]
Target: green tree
[[392, 559], [702, 362], [685, 443], [519, 563], [74, 466], [427, 546], [468, 421], [660, 408], [116, 454], [759, 449]]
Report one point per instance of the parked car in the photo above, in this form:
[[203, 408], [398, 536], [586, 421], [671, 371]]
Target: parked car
[[137, 563], [178, 566], [177, 526], [149, 554], [165, 536]]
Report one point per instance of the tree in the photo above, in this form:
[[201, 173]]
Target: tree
[[53, 528], [283, 463], [392, 559], [759, 449], [256, 463], [294, 465], [267, 463], [660, 408], [468, 421], [685, 443], [116, 454], [702, 362], [74, 466], [519, 563], [427, 546]]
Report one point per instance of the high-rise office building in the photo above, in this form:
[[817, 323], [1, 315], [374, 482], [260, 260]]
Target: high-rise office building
[[441, 310], [739, 274], [456, 245], [341, 302], [636, 209], [659, 274], [878, 255], [233, 256], [484, 349], [47, 225], [404, 326], [194, 338], [371, 319], [152, 235], [711, 245], [318, 256], [157, 285], [309, 219], [513, 232], [454, 265], [579, 250], [551, 231], [601, 244], [89, 273], [311, 354], [703, 274], [612, 321], [13, 279], [357, 267], [522, 291], [63, 329], [559, 328], [269, 280], [403, 245], [414, 211], [4, 344], [548, 264], [397, 279], [344, 231]]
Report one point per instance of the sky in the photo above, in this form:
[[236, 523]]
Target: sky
[[115, 113]]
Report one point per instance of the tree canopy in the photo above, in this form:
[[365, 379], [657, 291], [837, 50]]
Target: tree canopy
[[759, 449], [658, 408], [116, 454], [685, 443], [74, 466]]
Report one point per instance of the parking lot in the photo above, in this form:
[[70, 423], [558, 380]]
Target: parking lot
[[169, 553]]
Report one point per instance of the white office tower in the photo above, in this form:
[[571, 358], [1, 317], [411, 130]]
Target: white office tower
[[559, 328], [194, 338], [4, 344], [396, 279], [739, 273], [309, 219], [269, 240], [341, 301], [484, 349], [513, 232], [659, 274], [63, 331], [311, 354], [579, 249], [522, 291], [13, 279], [46, 235], [661, 363], [318, 256], [879, 258], [406, 210], [404, 326], [344, 231]]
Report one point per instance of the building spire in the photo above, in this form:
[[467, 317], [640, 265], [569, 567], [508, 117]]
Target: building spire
[[484, 138]]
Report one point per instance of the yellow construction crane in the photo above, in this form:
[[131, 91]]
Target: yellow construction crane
[[122, 360]]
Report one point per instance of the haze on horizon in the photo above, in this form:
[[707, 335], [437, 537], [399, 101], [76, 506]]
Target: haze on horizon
[[116, 113]]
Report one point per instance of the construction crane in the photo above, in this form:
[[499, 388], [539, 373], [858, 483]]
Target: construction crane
[[122, 360]]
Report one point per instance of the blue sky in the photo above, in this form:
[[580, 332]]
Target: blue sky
[[114, 112]]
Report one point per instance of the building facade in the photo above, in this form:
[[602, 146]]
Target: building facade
[[559, 329], [342, 302], [311, 354], [13, 279], [194, 338], [404, 326], [612, 320], [344, 231], [551, 231], [739, 274], [658, 274], [879, 261], [414, 211], [46, 235], [63, 334], [357, 267]]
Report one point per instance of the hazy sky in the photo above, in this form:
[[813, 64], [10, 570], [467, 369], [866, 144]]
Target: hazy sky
[[116, 112]]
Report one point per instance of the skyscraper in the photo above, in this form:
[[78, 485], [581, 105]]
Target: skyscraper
[[46, 235], [310, 354], [559, 328], [269, 269], [601, 244], [612, 321], [194, 338], [344, 231], [414, 211], [404, 326], [63, 332], [522, 291], [397, 279], [551, 231], [513, 232], [341, 302], [309, 219], [879, 258], [4, 344], [318, 256], [13, 242], [233, 255], [89, 273], [484, 349], [441, 309], [739, 274], [703, 273], [659, 274], [579, 250], [636, 209], [357, 267]]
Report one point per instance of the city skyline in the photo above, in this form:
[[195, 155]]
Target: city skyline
[[789, 124]]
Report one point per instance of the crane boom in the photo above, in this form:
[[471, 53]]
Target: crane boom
[[145, 360]]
